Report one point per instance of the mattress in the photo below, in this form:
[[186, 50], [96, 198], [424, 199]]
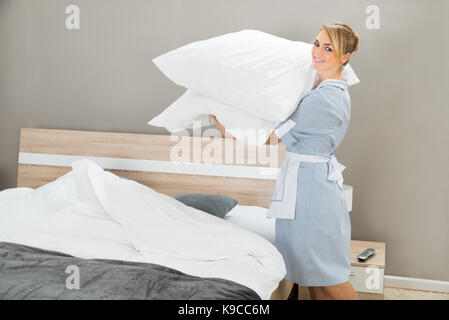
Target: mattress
[[253, 218]]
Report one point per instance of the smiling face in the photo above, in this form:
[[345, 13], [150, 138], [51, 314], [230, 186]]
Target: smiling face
[[323, 54]]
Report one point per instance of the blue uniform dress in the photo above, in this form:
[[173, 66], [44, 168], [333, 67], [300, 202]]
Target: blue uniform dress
[[315, 244]]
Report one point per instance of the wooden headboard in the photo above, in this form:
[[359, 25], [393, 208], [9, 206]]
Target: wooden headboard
[[46, 154]]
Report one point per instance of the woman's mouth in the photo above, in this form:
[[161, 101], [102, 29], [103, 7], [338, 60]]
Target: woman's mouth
[[317, 60]]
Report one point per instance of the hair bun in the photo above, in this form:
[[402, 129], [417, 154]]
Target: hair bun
[[356, 42]]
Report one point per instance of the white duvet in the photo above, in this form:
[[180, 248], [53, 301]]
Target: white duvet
[[92, 213]]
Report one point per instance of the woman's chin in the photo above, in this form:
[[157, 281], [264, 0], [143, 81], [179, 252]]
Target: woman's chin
[[318, 66]]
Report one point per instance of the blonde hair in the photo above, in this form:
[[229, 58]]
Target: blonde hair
[[343, 39]]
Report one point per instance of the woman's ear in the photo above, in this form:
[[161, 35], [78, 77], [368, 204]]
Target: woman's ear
[[345, 58]]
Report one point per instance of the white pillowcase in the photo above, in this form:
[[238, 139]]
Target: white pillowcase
[[191, 107], [259, 73]]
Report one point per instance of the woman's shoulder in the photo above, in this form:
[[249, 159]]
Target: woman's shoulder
[[331, 91], [331, 85]]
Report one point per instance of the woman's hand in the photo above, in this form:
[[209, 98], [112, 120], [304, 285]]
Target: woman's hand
[[273, 139], [218, 124], [220, 127]]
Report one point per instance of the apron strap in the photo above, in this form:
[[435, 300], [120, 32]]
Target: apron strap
[[335, 171]]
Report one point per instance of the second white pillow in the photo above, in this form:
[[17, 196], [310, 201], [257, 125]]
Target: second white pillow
[[191, 107]]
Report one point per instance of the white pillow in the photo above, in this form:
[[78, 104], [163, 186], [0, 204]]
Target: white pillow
[[260, 73], [191, 107]]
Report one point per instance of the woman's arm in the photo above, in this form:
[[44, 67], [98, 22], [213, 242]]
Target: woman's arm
[[221, 128], [272, 139]]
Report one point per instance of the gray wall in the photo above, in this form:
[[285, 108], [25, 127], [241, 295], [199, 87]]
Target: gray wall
[[101, 78]]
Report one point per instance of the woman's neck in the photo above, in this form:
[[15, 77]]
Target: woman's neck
[[324, 75]]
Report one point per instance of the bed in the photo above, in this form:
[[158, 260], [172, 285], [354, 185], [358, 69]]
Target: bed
[[37, 245], [120, 239]]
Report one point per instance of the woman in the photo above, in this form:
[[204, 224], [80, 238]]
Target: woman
[[313, 230]]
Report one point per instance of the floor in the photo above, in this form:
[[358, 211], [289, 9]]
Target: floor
[[389, 294], [407, 294]]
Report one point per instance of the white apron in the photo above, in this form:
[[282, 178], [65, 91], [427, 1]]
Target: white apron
[[283, 202]]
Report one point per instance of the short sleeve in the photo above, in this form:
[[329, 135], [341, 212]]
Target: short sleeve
[[311, 118], [283, 128]]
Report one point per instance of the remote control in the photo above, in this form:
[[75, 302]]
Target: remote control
[[366, 254]]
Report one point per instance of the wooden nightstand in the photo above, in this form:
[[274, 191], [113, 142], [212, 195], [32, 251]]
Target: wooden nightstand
[[367, 278]]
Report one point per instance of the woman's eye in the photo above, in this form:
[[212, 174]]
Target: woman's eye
[[328, 49], [316, 44]]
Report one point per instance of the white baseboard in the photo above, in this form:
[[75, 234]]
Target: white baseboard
[[416, 284]]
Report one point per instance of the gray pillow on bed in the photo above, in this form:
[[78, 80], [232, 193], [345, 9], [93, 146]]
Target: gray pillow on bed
[[215, 204]]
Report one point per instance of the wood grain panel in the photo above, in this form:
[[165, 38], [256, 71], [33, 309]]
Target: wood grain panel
[[142, 146], [254, 192]]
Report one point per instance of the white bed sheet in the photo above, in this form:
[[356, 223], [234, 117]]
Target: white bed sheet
[[90, 213], [253, 218]]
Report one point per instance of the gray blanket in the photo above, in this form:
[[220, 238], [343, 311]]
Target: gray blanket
[[32, 273]]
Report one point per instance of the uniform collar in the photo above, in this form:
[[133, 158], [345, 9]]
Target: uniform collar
[[334, 82]]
